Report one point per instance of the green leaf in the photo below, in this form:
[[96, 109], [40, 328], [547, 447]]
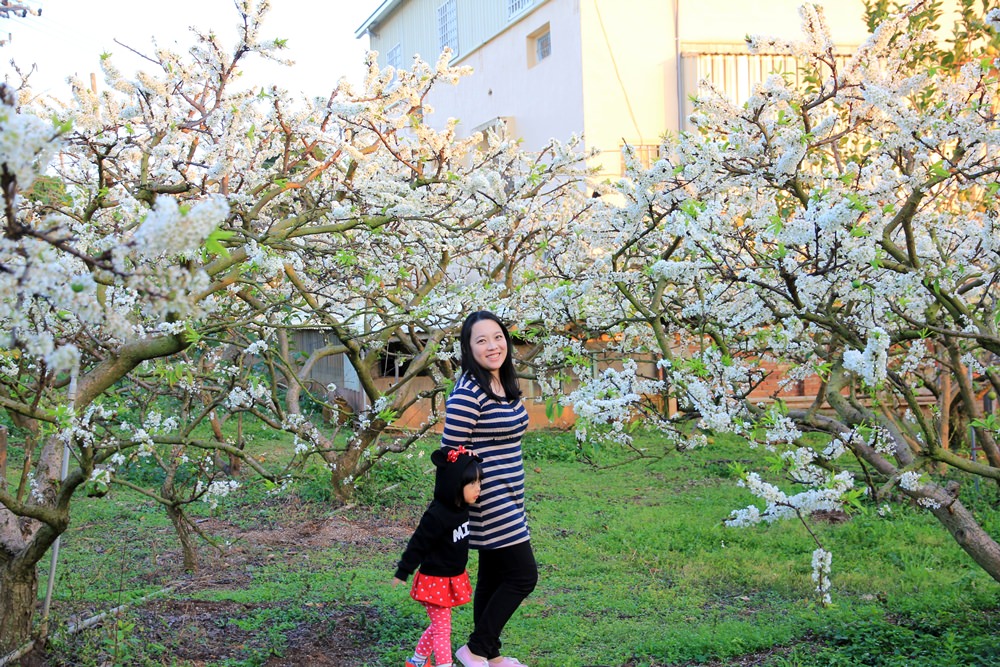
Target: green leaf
[[61, 127], [939, 170], [346, 258], [989, 422], [213, 244], [553, 408], [190, 335], [690, 209], [857, 202]]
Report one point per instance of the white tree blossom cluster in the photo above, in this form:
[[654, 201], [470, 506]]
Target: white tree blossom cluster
[[822, 562], [839, 229]]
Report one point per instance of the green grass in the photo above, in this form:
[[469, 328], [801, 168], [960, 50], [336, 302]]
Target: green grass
[[636, 568]]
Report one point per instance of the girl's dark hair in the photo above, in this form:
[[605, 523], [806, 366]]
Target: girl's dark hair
[[472, 472], [508, 377]]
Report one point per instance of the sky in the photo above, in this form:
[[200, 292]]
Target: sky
[[70, 36]]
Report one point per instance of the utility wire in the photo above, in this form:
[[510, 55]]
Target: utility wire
[[614, 64]]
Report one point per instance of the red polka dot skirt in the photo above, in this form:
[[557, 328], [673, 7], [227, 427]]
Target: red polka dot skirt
[[441, 591]]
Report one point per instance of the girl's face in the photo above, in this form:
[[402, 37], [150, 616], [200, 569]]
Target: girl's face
[[471, 491], [489, 347]]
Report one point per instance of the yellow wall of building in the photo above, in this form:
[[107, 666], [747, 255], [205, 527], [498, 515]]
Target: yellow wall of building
[[628, 76]]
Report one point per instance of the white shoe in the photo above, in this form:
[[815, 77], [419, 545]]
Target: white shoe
[[467, 659]]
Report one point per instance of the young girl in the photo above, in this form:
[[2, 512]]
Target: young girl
[[440, 547], [484, 413]]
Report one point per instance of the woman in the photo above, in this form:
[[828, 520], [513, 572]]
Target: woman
[[484, 414]]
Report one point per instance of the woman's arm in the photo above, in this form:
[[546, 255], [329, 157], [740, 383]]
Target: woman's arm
[[461, 415]]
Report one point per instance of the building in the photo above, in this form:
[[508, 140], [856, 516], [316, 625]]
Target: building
[[613, 71]]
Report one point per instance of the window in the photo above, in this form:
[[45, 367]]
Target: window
[[734, 72], [515, 7], [645, 154], [539, 45], [448, 27], [501, 125], [394, 56], [543, 46]]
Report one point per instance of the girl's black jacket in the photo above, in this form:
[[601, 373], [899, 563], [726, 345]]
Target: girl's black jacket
[[440, 544]]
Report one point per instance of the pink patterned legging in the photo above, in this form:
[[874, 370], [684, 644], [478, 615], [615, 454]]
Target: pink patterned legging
[[437, 637]]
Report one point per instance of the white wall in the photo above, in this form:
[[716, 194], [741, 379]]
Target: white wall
[[544, 100], [412, 25]]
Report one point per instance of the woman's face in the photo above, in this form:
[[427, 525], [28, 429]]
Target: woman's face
[[489, 347]]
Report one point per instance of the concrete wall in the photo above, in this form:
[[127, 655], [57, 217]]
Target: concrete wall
[[542, 99], [413, 25]]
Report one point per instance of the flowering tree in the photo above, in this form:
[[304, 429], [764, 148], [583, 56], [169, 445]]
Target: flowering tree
[[846, 230], [163, 237]]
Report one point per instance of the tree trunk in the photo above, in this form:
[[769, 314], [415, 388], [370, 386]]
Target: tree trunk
[[235, 462], [945, 505], [183, 530], [293, 398], [18, 594], [352, 463], [964, 528], [944, 409], [342, 477], [294, 392]]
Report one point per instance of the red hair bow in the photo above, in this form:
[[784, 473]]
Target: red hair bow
[[455, 453]]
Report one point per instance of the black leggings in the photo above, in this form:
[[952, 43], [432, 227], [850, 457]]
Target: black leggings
[[506, 577]]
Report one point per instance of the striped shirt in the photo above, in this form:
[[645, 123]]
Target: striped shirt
[[492, 429]]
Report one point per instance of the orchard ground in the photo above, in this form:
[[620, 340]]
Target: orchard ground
[[206, 631], [636, 570]]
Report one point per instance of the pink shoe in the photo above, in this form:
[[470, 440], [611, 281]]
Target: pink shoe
[[508, 662], [465, 657]]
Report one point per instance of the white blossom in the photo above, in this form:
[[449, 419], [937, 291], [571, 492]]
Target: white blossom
[[169, 230], [821, 564], [26, 145], [257, 347], [910, 481], [213, 492], [870, 364], [993, 19]]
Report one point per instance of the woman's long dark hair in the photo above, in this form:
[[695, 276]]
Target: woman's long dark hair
[[508, 377]]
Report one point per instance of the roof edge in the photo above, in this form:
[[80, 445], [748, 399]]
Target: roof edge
[[377, 17]]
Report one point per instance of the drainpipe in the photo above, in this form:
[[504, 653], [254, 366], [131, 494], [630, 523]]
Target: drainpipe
[[680, 68]]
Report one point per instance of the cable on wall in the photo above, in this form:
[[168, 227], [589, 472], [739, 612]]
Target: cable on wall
[[614, 64]]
